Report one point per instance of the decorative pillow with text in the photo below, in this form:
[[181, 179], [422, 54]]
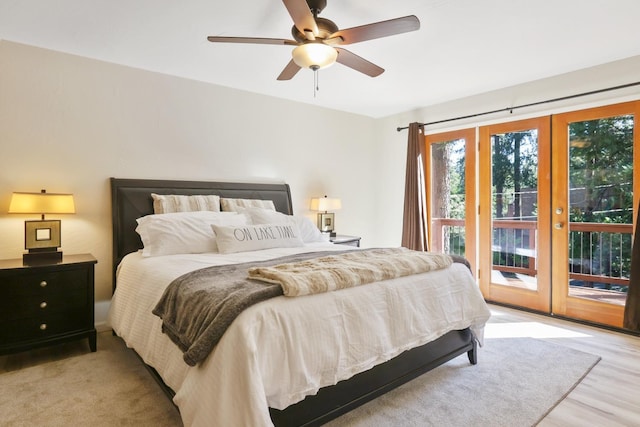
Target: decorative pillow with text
[[256, 237]]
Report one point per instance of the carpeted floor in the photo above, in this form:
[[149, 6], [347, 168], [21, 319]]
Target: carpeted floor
[[110, 387], [516, 382]]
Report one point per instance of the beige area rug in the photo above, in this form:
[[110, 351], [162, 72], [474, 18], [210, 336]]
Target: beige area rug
[[516, 382]]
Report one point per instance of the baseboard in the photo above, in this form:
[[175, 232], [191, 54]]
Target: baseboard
[[102, 327]]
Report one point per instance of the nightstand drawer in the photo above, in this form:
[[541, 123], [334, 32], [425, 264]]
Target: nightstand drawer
[[44, 326], [38, 284], [18, 307]]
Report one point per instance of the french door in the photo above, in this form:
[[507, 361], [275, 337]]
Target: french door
[[514, 217], [557, 210], [593, 208]]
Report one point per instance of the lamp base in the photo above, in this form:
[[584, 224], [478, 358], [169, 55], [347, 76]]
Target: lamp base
[[326, 222], [41, 257]]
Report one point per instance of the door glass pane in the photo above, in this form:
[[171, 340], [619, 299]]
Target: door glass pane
[[601, 208], [514, 172], [448, 201]]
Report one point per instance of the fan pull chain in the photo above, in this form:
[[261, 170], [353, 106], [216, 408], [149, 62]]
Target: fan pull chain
[[316, 85]]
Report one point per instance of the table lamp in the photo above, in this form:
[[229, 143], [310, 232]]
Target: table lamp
[[326, 219], [41, 238]]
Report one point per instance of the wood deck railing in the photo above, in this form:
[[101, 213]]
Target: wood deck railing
[[601, 253]]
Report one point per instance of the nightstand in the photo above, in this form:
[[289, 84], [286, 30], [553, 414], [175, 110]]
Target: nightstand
[[342, 239], [47, 303]]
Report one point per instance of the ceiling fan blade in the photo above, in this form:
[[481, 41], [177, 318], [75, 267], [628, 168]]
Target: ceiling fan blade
[[289, 71], [302, 17], [253, 40], [358, 63], [377, 30]]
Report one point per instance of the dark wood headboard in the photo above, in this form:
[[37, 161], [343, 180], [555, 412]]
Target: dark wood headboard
[[131, 199]]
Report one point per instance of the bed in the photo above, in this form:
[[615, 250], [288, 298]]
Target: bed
[[217, 387]]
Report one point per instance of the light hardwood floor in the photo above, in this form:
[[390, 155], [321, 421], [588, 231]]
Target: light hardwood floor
[[608, 396]]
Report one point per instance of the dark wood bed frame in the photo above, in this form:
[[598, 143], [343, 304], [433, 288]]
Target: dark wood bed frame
[[131, 199]]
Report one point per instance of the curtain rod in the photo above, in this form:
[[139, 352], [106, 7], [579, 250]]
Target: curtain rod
[[510, 109]]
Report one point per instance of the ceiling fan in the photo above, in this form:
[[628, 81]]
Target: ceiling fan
[[317, 39]]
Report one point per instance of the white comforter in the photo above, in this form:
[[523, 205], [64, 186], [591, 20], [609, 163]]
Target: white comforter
[[281, 350]]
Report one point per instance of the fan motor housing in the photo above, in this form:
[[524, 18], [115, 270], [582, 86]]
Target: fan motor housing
[[326, 27]]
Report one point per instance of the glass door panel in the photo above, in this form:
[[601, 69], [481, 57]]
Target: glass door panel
[[514, 189], [601, 207], [594, 212], [514, 205], [451, 187]]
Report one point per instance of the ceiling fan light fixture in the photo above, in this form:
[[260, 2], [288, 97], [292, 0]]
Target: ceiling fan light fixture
[[314, 55]]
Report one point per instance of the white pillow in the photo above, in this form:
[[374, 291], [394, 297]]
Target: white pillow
[[255, 237], [183, 232], [168, 203], [235, 205], [308, 230]]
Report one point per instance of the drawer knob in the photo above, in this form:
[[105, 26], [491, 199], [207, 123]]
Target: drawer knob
[[43, 304], [43, 284], [43, 326]]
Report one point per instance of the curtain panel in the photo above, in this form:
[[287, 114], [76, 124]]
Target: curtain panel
[[414, 223], [632, 306]]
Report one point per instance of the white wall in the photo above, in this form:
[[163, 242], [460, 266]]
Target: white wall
[[391, 144], [68, 123]]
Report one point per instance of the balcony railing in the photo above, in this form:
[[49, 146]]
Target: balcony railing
[[599, 254]]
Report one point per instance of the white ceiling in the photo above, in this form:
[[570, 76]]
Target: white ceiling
[[464, 47]]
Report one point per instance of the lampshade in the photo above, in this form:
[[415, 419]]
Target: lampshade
[[42, 203], [314, 55], [325, 204]]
